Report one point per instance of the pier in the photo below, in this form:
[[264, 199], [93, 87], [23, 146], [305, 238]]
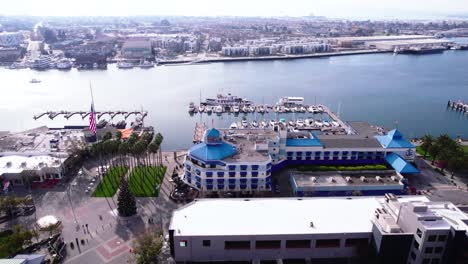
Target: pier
[[67, 114], [458, 106]]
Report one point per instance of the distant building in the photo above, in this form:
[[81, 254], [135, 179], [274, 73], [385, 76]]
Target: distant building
[[11, 54], [402, 44], [235, 51], [137, 49], [392, 230], [11, 39], [215, 44], [91, 52], [352, 42], [305, 48], [261, 51]]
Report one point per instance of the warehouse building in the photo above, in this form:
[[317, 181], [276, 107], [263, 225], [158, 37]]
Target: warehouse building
[[353, 42], [137, 49], [404, 44], [319, 230]]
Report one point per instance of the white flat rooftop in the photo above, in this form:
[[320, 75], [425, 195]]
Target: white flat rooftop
[[274, 216]]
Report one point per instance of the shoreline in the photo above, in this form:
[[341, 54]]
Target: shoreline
[[276, 57]]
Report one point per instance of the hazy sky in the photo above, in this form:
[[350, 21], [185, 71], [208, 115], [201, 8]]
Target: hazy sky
[[329, 8]]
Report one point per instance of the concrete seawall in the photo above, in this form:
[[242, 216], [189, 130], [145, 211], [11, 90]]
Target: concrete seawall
[[268, 58]]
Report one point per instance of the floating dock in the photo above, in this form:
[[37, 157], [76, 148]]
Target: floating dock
[[67, 114], [458, 106]]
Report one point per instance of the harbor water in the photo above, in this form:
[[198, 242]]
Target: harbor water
[[410, 92]]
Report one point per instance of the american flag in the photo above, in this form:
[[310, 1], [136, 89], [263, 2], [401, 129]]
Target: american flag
[[92, 120]]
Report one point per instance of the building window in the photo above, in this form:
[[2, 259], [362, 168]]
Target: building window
[[418, 232], [183, 243], [442, 238], [416, 244], [212, 166], [426, 261], [435, 261], [413, 256], [220, 173], [237, 245], [431, 238], [429, 250], [354, 242], [297, 243], [232, 174], [209, 174], [327, 243], [268, 244], [438, 250], [207, 243]]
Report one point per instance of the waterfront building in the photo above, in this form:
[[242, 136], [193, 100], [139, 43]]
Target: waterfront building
[[305, 48], [320, 230], [243, 159], [403, 44], [137, 49], [11, 39], [235, 51], [11, 54], [350, 42], [17, 168]]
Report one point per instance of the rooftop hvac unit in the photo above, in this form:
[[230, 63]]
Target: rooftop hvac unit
[[314, 179], [8, 164], [394, 178], [378, 178], [23, 164], [363, 179], [348, 179], [332, 179]]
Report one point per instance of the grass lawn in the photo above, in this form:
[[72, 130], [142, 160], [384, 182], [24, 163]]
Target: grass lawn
[[144, 180], [110, 182], [465, 148]]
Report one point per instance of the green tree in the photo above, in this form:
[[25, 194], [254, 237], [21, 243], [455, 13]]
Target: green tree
[[126, 203], [107, 136], [427, 142], [434, 151], [455, 163], [118, 135], [13, 242], [147, 248]]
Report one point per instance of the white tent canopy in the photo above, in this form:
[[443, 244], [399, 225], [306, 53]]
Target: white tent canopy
[[47, 221]]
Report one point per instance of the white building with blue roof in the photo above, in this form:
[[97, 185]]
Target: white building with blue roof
[[243, 159]]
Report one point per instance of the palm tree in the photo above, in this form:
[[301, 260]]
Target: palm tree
[[427, 142]]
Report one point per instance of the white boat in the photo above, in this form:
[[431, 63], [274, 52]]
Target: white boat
[[64, 64], [263, 124], [291, 123], [244, 123], [319, 123], [320, 109], [291, 101], [124, 65], [34, 80], [272, 123], [335, 124], [252, 109], [308, 122], [146, 64], [201, 108], [191, 107], [245, 109], [233, 125], [302, 109], [235, 109], [219, 109], [285, 110], [209, 109], [326, 123], [254, 123], [310, 109], [300, 123]]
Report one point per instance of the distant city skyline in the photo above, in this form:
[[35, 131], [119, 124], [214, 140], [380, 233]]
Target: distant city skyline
[[358, 9]]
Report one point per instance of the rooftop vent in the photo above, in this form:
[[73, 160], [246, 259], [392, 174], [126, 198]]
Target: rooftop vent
[[314, 179], [311, 224], [363, 179], [8, 164], [378, 178], [332, 179], [394, 178], [348, 179], [23, 164]]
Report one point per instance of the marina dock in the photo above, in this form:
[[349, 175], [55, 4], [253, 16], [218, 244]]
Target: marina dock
[[67, 114], [459, 106]]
